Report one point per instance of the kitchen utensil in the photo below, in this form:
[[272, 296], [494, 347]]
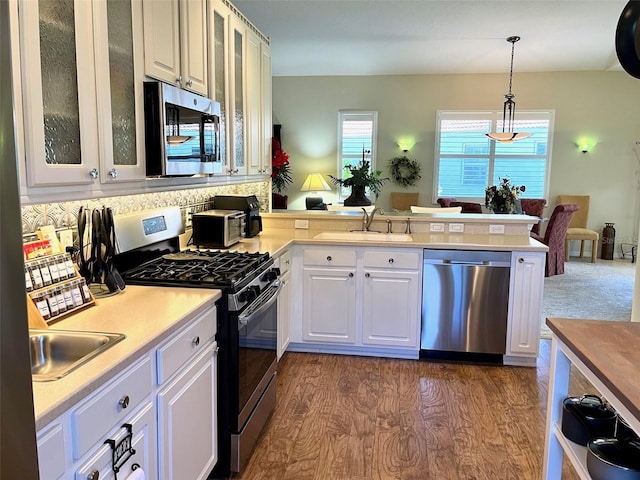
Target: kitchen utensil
[[82, 225], [111, 232], [105, 256], [613, 459], [628, 38], [93, 264], [587, 417]]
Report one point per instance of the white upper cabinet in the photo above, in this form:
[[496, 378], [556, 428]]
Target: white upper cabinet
[[175, 43], [237, 126], [259, 122], [79, 64]]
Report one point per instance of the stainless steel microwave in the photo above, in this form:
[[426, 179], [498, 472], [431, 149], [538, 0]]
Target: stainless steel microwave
[[182, 132], [218, 228]]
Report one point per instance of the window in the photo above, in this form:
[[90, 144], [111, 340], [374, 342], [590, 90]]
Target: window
[[357, 135], [467, 161]]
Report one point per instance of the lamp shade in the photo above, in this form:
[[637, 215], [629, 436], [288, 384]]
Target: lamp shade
[[315, 182]]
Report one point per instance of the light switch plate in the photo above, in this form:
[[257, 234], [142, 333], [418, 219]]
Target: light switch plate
[[496, 228], [436, 227], [304, 224], [456, 227]]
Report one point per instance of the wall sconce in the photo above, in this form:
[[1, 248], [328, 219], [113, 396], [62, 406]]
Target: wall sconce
[[585, 145], [406, 144]]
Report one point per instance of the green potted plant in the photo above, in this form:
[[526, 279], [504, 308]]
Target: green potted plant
[[502, 198], [359, 178]]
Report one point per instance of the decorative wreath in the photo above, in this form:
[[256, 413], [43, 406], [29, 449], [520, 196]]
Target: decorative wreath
[[404, 171]]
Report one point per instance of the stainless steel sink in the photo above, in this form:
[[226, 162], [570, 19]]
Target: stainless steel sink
[[55, 353]]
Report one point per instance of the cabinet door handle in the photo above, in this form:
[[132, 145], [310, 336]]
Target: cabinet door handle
[[124, 401], [94, 173], [391, 260], [189, 82], [367, 275], [179, 80], [196, 341], [94, 475], [329, 258], [113, 173], [350, 274], [521, 260]]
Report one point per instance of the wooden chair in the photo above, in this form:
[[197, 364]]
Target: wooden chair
[[403, 200], [578, 227], [554, 238], [535, 208]]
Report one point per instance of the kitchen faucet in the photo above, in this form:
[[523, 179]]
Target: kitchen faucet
[[367, 218]]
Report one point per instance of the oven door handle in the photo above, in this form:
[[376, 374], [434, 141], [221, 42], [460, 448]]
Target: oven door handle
[[274, 291]]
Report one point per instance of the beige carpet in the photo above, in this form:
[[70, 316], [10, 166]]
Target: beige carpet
[[597, 291]]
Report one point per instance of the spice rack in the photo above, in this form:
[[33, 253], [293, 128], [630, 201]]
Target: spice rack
[[55, 288]]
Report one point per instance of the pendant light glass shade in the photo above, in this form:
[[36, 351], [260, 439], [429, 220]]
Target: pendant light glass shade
[[507, 135]]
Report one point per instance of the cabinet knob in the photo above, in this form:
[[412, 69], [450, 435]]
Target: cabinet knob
[[521, 260], [367, 275], [391, 260], [329, 258], [179, 80], [113, 173], [94, 475], [94, 173], [124, 401], [196, 341], [189, 82], [350, 274]]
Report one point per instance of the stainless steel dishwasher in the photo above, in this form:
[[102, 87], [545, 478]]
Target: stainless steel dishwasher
[[465, 301]]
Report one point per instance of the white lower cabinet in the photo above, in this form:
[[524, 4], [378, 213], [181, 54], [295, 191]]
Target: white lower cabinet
[[143, 443], [172, 421], [359, 300], [525, 306], [187, 444], [284, 305]]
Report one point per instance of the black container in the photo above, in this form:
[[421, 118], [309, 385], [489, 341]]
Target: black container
[[608, 241], [586, 418], [613, 459]]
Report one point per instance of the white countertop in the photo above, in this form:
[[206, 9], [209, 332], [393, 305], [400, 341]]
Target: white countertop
[[146, 315]]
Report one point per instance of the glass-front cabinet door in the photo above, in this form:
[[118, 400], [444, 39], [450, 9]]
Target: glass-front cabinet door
[[119, 70], [78, 66], [237, 103], [61, 135], [219, 15]]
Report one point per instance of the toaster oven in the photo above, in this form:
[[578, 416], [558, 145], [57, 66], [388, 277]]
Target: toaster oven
[[218, 228]]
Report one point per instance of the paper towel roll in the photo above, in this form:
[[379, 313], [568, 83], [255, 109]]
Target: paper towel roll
[[137, 474]]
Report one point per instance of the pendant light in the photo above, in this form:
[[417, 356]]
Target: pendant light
[[509, 110]]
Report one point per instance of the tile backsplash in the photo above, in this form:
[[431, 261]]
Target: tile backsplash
[[64, 214]]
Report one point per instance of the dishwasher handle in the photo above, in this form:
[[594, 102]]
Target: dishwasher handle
[[470, 263]]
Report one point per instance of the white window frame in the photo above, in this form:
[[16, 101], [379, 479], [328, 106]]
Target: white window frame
[[355, 115], [496, 123]]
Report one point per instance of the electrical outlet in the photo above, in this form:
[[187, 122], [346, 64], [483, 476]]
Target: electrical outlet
[[436, 227], [304, 224], [188, 212], [496, 228], [456, 227]]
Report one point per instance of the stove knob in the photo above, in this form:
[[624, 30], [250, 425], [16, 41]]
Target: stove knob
[[271, 275], [250, 294]]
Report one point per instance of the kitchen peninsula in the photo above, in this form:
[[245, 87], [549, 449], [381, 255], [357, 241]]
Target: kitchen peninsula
[[361, 293]]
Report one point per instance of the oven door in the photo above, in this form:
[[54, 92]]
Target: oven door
[[257, 340]]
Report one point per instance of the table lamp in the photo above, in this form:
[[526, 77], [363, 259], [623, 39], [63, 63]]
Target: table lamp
[[314, 182]]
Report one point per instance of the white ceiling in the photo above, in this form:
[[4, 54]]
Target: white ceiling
[[388, 37]]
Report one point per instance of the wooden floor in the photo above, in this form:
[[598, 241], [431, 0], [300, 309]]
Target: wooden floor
[[359, 418]]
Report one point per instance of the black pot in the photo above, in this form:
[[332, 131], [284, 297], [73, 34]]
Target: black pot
[[586, 418], [624, 431], [613, 459]]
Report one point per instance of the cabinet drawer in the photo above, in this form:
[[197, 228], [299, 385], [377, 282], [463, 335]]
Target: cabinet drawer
[[329, 257], [111, 405], [51, 455], [396, 259], [143, 442], [285, 262], [185, 344]]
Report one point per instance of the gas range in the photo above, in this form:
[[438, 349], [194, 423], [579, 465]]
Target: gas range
[[241, 275]]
